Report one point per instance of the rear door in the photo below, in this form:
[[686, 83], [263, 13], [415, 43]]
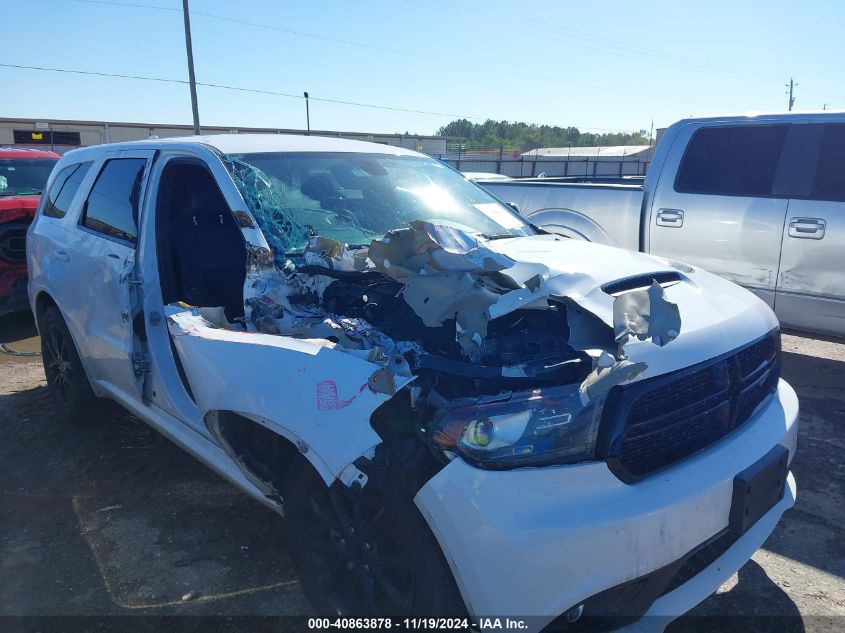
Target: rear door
[[725, 209], [104, 300], [811, 283]]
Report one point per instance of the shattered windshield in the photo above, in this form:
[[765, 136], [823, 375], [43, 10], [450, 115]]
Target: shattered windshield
[[354, 198]]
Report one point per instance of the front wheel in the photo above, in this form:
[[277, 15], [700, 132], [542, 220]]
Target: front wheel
[[365, 551]]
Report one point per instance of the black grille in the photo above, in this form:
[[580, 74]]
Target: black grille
[[13, 241], [654, 423]]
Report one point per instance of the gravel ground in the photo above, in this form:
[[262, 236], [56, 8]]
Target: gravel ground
[[111, 519]]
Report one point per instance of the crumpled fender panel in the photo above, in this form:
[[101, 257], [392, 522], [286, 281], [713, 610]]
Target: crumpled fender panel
[[314, 396]]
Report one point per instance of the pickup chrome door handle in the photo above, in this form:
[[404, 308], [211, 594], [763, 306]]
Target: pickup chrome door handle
[[807, 228], [60, 256], [673, 218]]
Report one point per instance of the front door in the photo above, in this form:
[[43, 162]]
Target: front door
[[102, 250], [725, 209], [811, 284]]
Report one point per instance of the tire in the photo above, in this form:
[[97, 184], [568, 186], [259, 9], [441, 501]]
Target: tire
[[365, 551], [66, 378]]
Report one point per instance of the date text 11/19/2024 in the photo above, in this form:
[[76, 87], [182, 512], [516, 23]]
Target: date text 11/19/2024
[[430, 624]]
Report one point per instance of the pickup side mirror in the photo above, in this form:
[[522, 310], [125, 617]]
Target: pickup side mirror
[[514, 206]]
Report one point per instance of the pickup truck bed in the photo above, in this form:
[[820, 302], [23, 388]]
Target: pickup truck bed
[[614, 210]]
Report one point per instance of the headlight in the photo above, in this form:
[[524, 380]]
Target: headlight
[[540, 426]]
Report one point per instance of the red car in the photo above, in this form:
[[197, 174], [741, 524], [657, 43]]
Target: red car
[[23, 175]]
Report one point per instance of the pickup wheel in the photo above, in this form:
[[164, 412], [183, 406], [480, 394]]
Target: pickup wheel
[[65, 375], [364, 551]]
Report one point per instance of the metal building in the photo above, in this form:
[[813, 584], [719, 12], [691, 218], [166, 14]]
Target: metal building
[[63, 135]]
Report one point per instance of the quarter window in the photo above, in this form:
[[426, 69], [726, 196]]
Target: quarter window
[[112, 206], [732, 161], [64, 189], [829, 181]]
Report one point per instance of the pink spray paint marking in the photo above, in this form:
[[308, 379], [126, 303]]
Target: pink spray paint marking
[[327, 398]]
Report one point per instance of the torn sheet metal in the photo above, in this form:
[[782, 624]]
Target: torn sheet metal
[[306, 392], [608, 373], [424, 246], [462, 282], [646, 314]]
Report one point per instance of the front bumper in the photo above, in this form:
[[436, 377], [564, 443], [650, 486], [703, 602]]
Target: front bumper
[[13, 295], [539, 541]]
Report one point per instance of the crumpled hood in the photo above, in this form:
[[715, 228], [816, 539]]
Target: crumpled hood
[[717, 316], [17, 208]]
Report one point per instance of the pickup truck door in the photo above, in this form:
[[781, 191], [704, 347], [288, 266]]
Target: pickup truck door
[[721, 200], [103, 300], [811, 283]]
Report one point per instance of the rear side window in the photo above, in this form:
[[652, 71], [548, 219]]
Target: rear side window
[[732, 161], [112, 206], [829, 180], [64, 188]]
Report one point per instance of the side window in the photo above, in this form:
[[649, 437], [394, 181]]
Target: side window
[[829, 181], [64, 189], [112, 205], [732, 160]]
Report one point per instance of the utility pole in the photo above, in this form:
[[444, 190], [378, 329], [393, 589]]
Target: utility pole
[[307, 113], [191, 78], [791, 87]]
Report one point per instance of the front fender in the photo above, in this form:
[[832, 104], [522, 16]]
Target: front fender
[[316, 397], [570, 223]]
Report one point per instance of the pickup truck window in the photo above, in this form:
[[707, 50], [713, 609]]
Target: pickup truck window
[[829, 181], [24, 176], [355, 198], [734, 160], [64, 188], [112, 205]]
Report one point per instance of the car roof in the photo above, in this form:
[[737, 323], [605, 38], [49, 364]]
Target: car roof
[[26, 152], [255, 143], [820, 116]]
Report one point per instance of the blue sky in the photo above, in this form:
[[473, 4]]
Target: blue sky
[[610, 65]]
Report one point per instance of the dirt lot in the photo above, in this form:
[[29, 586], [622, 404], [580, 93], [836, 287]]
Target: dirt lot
[[113, 520]]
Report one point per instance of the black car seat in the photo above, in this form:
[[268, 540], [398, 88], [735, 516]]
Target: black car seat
[[209, 253]]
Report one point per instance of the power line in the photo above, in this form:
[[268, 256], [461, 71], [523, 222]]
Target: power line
[[240, 89], [650, 55], [628, 51], [73, 71], [649, 95], [593, 42], [224, 18], [600, 44]]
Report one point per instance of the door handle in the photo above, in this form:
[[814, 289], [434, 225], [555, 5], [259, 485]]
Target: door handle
[[60, 256], [673, 218], [807, 228]]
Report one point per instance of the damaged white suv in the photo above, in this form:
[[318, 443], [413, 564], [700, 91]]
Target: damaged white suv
[[456, 412]]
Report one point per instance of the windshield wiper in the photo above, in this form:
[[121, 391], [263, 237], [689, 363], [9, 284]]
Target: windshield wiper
[[502, 236]]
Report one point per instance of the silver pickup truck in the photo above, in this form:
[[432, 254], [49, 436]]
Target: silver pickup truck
[[759, 200]]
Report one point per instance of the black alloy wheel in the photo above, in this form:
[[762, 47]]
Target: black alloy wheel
[[63, 369], [364, 551]]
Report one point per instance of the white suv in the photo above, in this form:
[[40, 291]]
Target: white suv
[[457, 413]]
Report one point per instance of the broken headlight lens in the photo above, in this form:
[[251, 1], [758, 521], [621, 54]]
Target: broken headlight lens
[[541, 426]]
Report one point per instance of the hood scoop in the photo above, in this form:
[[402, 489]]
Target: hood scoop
[[642, 282]]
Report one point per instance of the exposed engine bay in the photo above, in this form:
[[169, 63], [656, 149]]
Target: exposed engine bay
[[437, 304], [480, 345]]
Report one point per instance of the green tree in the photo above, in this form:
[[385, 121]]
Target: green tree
[[528, 136]]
